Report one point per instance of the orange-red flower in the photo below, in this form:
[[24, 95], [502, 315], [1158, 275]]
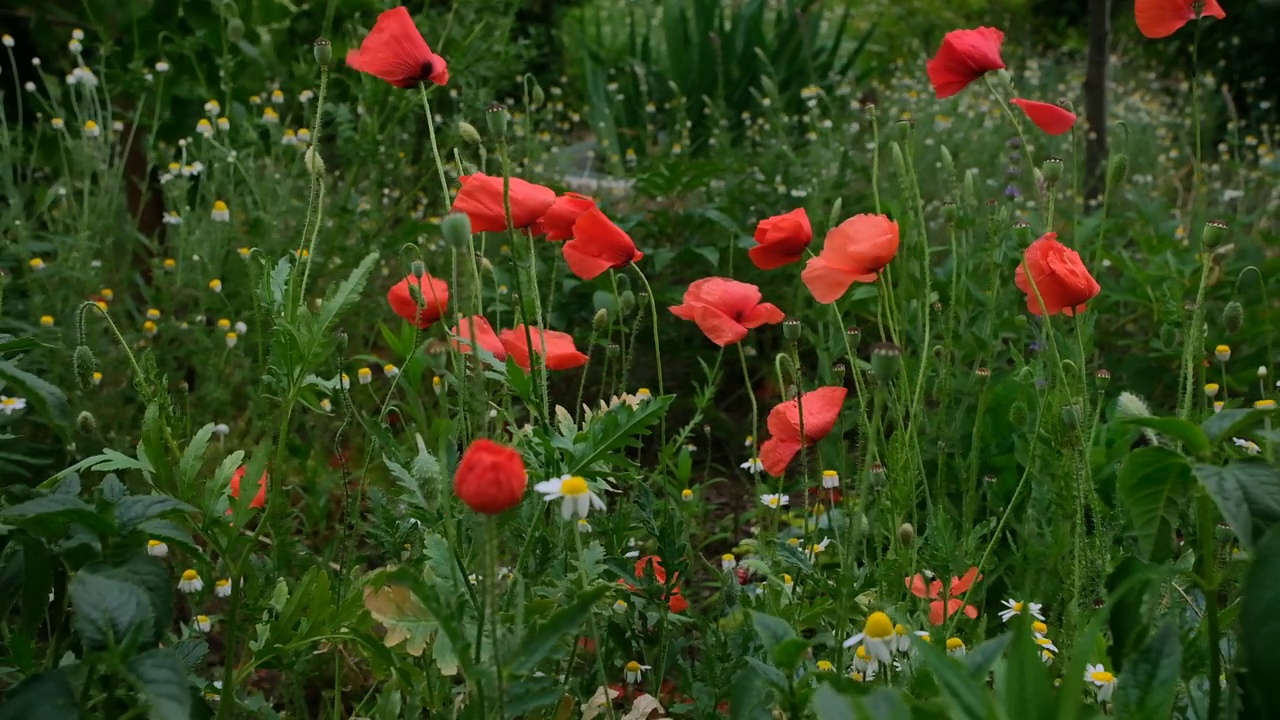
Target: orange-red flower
[[259, 499], [557, 347], [1061, 279], [563, 213], [821, 410], [942, 608], [481, 197], [1052, 119], [598, 245], [483, 335], [652, 563], [490, 478], [395, 51], [725, 309], [1162, 18], [434, 294], [854, 251], [964, 56], [781, 239]]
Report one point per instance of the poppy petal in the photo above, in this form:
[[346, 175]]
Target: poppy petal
[[1161, 18], [964, 56], [826, 283], [1052, 119], [717, 326], [776, 453], [395, 51]]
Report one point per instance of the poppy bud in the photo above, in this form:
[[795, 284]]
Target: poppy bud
[[1103, 377], [1224, 533], [626, 302], [469, 132], [791, 329], [497, 117], [877, 473], [950, 212], [1018, 414], [600, 321], [906, 534], [84, 363], [313, 162], [886, 358], [1051, 170], [418, 269], [834, 218], [1071, 415], [982, 373], [323, 51], [536, 96], [456, 228], [1117, 169], [1213, 233], [838, 372], [341, 336], [948, 165], [904, 129], [970, 194], [1023, 233], [855, 336], [613, 350], [1233, 317], [235, 30], [85, 422]]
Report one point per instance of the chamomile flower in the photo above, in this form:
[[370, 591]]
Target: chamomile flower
[[304, 136], [7, 40], [305, 96], [221, 429], [1218, 405], [289, 137], [270, 116], [644, 394], [877, 636], [190, 581], [224, 124], [1248, 446], [96, 378], [36, 264], [1016, 607], [157, 548], [774, 501], [326, 405], [901, 638], [955, 647], [634, 671], [204, 128], [1222, 353], [224, 324], [220, 212], [830, 479], [277, 97], [812, 551], [231, 338], [241, 328], [162, 66], [203, 623], [58, 123], [825, 666], [1264, 404], [1046, 644], [577, 496], [244, 252], [345, 381], [215, 285], [149, 328], [1039, 629], [222, 587], [686, 495], [91, 129], [390, 370], [752, 465], [46, 321], [1046, 657], [788, 582], [728, 562], [171, 218], [153, 314], [864, 662], [1104, 682], [620, 606], [365, 375]]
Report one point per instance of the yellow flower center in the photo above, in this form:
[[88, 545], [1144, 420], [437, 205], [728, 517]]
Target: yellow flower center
[[955, 644], [1102, 676], [1222, 349], [633, 667], [189, 575], [643, 391], [786, 579], [1265, 404], [686, 493], [826, 666], [878, 626], [899, 629], [219, 206], [793, 542], [828, 473], [1043, 642], [225, 582], [728, 557], [154, 543], [1017, 607], [1039, 627], [925, 637], [574, 486], [862, 653], [202, 619]]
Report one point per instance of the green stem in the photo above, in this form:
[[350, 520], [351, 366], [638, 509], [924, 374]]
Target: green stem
[[591, 617], [435, 148], [1195, 338], [755, 409], [1207, 570]]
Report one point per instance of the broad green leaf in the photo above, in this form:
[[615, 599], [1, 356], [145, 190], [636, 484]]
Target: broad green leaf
[[1222, 426], [1261, 624], [883, 704], [1193, 439], [47, 399], [49, 512], [109, 612], [969, 698], [190, 652], [135, 509], [111, 489], [1022, 682], [540, 640], [787, 654], [152, 576], [749, 699], [1151, 677], [1153, 486], [1248, 495], [170, 532], [47, 696], [162, 679], [772, 630], [828, 704], [981, 657], [768, 673]]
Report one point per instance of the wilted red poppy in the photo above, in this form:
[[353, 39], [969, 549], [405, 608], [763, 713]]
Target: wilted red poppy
[[490, 478], [821, 410], [484, 336], [781, 239], [395, 51], [424, 311], [259, 499], [1052, 119], [725, 309], [1061, 279], [557, 224], [481, 198], [1162, 18], [560, 352], [854, 251], [598, 245], [964, 56], [942, 608]]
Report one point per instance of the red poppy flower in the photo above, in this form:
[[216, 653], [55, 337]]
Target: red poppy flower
[[782, 239], [259, 499], [1052, 119], [598, 245], [725, 309], [1162, 18], [964, 56], [395, 51], [563, 213], [821, 409], [941, 609], [490, 478], [558, 347], [1061, 279], [434, 299], [484, 335], [652, 563], [481, 198], [854, 251]]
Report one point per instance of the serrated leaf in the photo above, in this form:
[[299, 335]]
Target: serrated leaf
[[405, 618], [1153, 485], [412, 489], [1151, 677], [345, 293], [539, 641], [279, 280], [114, 461], [109, 612], [772, 630], [193, 457], [190, 652], [133, 510], [50, 511], [111, 489], [162, 680]]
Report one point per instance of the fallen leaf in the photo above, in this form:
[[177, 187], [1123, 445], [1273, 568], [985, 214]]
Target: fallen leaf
[[642, 707], [596, 706]]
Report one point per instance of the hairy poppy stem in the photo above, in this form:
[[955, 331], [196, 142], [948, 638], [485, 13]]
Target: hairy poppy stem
[[435, 148], [751, 394]]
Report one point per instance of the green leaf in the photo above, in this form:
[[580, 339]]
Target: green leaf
[[1222, 426], [136, 509], [50, 512], [828, 704], [162, 679], [150, 574], [1248, 495], [190, 652], [1193, 439], [193, 457], [883, 704], [772, 630], [749, 699], [1261, 622], [1151, 677], [969, 698], [109, 612], [981, 657], [47, 696], [276, 286], [787, 654], [111, 489], [47, 399], [170, 532], [538, 642], [1126, 621], [1153, 486], [114, 461], [346, 293], [768, 673], [1022, 682]]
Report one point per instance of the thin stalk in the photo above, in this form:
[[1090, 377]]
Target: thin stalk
[[1206, 563], [435, 148], [755, 409]]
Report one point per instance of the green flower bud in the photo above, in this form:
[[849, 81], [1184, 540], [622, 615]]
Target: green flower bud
[[84, 363], [1102, 377], [870, 109], [1233, 317], [855, 336], [536, 96], [948, 166], [1051, 170], [626, 302], [322, 49], [418, 269], [838, 372], [497, 118], [313, 162], [85, 422], [456, 228], [950, 212], [834, 217], [791, 329], [468, 132], [1071, 415], [906, 534], [886, 359], [1023, 233], [1117, 170], [970, 192], [1213, 233], [1224, 533], [235, 30], [1019, 416], [600, 321], [613, 350], [905, 128]]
